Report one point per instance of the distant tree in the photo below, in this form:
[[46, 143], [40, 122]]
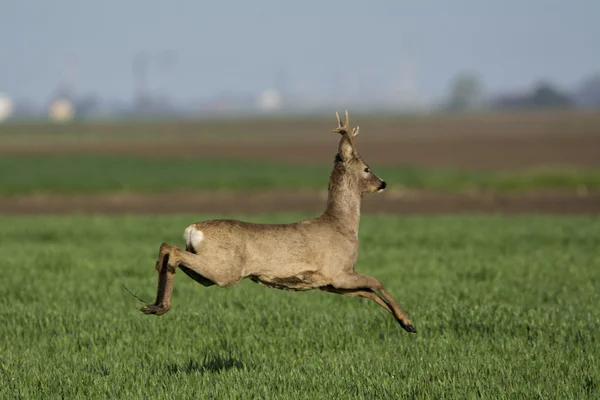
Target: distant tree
[[547, 95], [88, 106], [466, 92], [589, 91]]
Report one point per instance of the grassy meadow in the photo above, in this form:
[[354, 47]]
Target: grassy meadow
[[504, 307], [64, 174]]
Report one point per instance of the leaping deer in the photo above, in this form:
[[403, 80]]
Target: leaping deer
[[318, 253]]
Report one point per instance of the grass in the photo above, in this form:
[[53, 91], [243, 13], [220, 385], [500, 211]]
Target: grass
[[99, 174], [505, 308]]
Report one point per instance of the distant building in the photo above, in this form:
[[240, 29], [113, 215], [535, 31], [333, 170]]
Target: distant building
[[61, 109], [269, 100], [7, 107]]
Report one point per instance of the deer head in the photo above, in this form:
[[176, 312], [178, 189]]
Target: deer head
[[350, 164]]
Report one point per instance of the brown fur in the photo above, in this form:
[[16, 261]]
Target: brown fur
[[318, 253]]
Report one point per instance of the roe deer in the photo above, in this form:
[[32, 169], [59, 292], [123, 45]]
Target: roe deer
[[318, 253]]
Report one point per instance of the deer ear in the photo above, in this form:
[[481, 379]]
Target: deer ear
[[345, 149]]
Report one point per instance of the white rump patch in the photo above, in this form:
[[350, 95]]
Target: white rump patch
[[192, 237]]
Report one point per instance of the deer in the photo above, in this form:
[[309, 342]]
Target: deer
[[318, 253]]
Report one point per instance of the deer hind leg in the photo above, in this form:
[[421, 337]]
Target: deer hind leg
[[166, 276], [361, 282], [203, 270], [166, 265], [193, 265]]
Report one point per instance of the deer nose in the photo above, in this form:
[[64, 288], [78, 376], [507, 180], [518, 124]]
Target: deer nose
[[383, 185]]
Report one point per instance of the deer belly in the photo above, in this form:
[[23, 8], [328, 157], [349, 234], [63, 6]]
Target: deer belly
[[306, 280]]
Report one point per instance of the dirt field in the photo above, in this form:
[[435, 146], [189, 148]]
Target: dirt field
[[503, 141], [460, 152], [252, 203], [490, 142]]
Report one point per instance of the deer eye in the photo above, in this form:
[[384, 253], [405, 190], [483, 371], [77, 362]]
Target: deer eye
[[367, 170]]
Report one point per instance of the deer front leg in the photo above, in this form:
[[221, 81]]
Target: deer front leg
[[365, 293], [361, 282]]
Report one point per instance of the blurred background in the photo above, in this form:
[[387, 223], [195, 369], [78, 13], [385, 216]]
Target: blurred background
[[223, 107]]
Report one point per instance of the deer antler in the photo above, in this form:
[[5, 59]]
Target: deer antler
[[345, 130], [342, 128]]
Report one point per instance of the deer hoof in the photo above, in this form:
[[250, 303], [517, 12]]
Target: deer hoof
[[410, 328], [153, 309]]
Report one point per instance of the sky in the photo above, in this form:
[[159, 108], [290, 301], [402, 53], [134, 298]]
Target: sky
[[304, 46]]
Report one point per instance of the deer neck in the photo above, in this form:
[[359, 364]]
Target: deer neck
[[343, 202]]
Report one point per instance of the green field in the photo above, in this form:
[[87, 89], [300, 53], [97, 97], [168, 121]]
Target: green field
[[505, 308], [96, 174]]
